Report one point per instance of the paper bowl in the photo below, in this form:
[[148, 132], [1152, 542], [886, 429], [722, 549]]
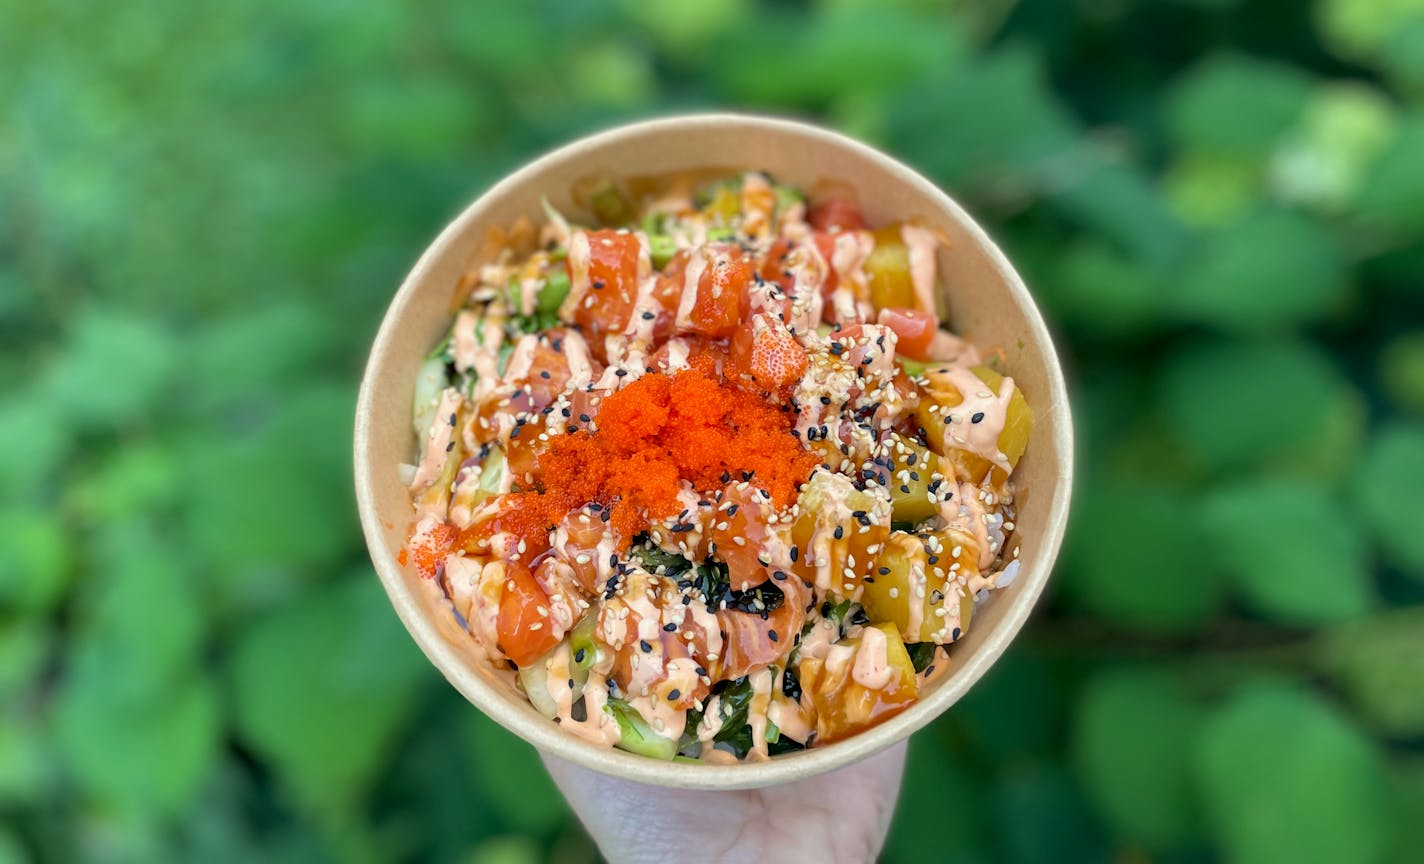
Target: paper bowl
[[987, 302]]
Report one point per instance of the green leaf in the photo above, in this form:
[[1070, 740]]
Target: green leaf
[[1392, 188], [24, 646], [1274, 403], [1133, 559], [247, 355], [1133, 733], [319, 689], [1407, 788], [1286, 778], [142, 477], [1401, 370], [271, 510], [1358, 29], [143, 616], [1379, 662], [1107, 293], [506, 850], [1269, 269], [34, 440], [23, 755], [1290, 550], [35, 556], [144, 754], [1234, 104], [1211, 189], [931, 779], [1042, 796], [1389, 493], [114, 369], [498, 756], [1322, 161]]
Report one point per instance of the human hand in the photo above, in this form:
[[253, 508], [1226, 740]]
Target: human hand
[[839, 818]]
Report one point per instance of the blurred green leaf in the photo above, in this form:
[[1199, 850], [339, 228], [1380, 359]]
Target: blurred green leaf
[[499, 755], [114, 369], [143, 616], [1212, 189], [506, 850], [1401, 369], [34, 439], [1043, 797], [1232, 405], [136, 479], [931, 780], [1268, 269], [11, 850], [1103, 292], [1394, 185], [1133, 734], [687, 27], [24, 646], [1290, 549], [1379, 662], [23, 753], [1235, 104], [1390, 493], [35, 556], [139, 753], [1286, 778], [1321, 162], [249, 354], [1358, 29], [1407, 811], [842, 49], [1133, 559], [320, 687], [267, 508], [1403, 56]]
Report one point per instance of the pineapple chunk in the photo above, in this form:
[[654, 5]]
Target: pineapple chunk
[[860, 682], [943, 397], [887, 270], [914, 470], [838, 532], [920, 585]]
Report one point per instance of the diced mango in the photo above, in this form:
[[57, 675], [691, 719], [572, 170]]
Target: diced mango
[[914, 468], [940, 397], [887, 270], [921, 573], [838, 531], [845, 706]]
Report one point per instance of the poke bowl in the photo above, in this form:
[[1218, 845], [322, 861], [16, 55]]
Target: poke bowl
[[714, 451]]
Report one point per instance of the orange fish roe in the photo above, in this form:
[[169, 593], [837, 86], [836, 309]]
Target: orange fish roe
[[658, 431], [430, 548]]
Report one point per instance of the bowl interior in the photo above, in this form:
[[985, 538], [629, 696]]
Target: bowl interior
[[987, 303]]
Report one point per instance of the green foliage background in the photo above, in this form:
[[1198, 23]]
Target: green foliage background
[[204, 209]]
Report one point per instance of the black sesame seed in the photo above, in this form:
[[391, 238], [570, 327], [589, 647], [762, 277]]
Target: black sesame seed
[[669, 627], [840, 531], [648, 316], [978, 417], [674, 694], [772, 635], [545, 374], [580, 654], [643, 644]]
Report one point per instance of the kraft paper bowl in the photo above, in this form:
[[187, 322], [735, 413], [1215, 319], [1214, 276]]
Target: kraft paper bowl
[[987, 302]]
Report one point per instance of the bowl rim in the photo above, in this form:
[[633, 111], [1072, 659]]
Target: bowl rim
[[413, 607]]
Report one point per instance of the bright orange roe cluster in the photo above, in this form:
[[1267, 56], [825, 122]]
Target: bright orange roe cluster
[[653, 434]]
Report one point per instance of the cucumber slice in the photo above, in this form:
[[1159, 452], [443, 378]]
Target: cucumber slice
[[636, 736], [535, 680]]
